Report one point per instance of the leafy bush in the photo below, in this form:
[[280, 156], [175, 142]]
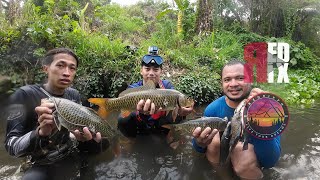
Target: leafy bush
[[301, 57], [100, 34], [201, 84], [303, 89]]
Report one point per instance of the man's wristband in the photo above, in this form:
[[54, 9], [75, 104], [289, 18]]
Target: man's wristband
[[197, 147]]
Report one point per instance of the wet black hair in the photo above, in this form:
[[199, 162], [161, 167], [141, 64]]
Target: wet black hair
[[48, 58]]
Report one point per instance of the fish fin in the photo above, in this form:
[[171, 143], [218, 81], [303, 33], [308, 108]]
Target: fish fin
[[92, 110], [174, 145], [149, 85], [56, 120], [116, 149], [45, 92], [115, 145], [175, 113], [170, 137], [225, 145], [130, 90], [194, 113], [124, 113], [171, 140], [167, 126], [167, 112], [102, 103], [246, 142]]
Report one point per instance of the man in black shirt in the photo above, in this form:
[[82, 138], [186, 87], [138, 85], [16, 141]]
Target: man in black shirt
[[31, 131]]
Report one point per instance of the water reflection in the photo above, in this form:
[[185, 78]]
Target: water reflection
[[300, 147], [120, 168], [150, 157]]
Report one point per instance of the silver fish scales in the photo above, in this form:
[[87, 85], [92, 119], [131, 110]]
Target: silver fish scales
[[74, 116], [167, 99], [233, 133], [187, 127]]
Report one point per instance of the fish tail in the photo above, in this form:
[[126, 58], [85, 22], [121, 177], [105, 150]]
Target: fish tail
[[103, 104], [225, 145], [116, 140], [115, 145]]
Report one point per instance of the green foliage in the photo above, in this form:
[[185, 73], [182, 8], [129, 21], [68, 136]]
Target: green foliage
[[302, 90], [201, 84], [301, 57], [100, 32], [188, 23], [228, 45]]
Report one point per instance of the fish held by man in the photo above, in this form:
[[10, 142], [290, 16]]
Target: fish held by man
[[188, 126], [178, 132], [234, 132], [164, 99], [72, 116]]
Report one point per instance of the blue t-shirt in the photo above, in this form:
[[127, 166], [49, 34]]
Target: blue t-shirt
[[267, 151]]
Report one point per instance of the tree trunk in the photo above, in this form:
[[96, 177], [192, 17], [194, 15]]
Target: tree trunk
[[204, 22], [13, 10]]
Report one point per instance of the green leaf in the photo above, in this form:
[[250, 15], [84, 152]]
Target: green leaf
[[163, 13], [293, 61]]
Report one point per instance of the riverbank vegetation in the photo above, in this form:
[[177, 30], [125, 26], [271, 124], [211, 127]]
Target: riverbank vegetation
[[195, 39]]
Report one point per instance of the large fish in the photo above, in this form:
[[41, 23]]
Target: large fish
[[178, 132], [188, 126], [166, 99], [233, 133], [72, 116]]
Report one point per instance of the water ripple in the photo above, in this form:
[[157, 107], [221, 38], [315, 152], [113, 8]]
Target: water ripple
[[119, 168]]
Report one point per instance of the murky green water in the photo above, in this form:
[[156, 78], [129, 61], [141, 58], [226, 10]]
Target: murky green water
[[151, 158]]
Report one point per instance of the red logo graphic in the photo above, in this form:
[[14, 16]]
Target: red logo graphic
[[266, 57]]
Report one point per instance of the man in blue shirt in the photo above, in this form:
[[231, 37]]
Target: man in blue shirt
[[261, 153], [147, 119]]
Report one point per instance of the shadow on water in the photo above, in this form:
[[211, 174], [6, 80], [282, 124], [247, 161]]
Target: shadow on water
[[149, 157]]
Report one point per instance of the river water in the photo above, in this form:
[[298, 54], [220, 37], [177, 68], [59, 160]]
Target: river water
[[149, 157]]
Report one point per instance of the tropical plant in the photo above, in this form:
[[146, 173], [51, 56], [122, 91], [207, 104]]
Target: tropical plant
[[181, 7]]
